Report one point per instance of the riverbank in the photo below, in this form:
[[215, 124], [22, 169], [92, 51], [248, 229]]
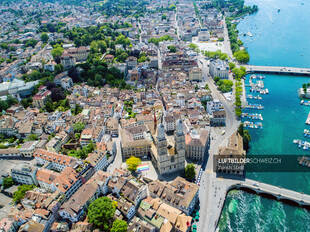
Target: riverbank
[[276, 41]]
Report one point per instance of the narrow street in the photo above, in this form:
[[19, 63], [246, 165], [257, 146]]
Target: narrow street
[[176, 25], [117, 163]]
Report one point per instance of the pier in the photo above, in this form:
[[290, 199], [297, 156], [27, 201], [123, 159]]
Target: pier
[[278, 70], [252, 116], [253, 125], [254, 106]]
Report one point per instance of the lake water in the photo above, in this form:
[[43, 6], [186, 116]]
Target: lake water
[[279, 39]]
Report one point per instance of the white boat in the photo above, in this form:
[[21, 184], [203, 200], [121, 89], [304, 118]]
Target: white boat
[[306, 133], [305, 103], [249, 34], [302, 144]]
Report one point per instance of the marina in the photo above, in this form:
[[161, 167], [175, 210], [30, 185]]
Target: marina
[[258, 85], [302, 144], [253, 125], [254, 106], [304, 161], [260, 77], [306, 133], [257, 97], [305, 103], [256, 89], [252, 116]]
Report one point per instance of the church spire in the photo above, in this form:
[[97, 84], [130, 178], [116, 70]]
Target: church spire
[[161, 132], [179, 127]]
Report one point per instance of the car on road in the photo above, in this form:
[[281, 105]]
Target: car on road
[[223, 132]]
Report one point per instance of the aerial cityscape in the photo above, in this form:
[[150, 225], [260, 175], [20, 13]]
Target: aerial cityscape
[[154, 115]]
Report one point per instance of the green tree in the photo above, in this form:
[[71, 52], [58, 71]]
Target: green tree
[[157, 40], [239, 72], [78, 127], [242, 56], [225, 85], [11, 100], [193, 46], [231, 65], [76, 110], [142, 59], [7, 182], [133, 163], [246, 140], [59, 68], [44, 37], [4, 46], [119, 226], [243, 70], [101, 212], [238, 111], [77, 135], [21, 191], [3, 105], [172, 48], [190, 172], [89, 148], [223, 56], [122, 57], [216, 79], [49, 106], [94, 48], [31, 43], [240, 129], [51, 136], [32, 137], [57, 52], [172, 7], [121, 39], [102, 46]]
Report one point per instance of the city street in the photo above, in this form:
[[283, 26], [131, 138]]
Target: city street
[[117, 163], [227, 49], [212, 190]]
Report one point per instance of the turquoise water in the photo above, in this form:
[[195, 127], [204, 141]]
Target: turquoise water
[[279, 39], [251, 213]]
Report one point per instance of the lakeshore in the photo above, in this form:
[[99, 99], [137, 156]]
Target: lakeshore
[[284, 118]]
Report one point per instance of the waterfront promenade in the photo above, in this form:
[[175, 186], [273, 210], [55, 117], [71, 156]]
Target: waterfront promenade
[[278, 70]]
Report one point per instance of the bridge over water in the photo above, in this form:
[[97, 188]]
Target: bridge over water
[[278, 70], [274, 192], [216, 198]]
